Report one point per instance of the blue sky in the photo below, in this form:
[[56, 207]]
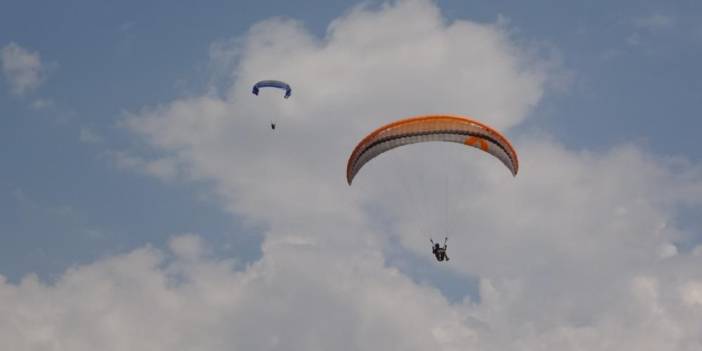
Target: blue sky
[[614, 84]]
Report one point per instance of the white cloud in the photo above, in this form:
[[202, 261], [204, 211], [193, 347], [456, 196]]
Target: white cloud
[[692, 293], [576, 253], [656, 21], [646, 25], [634, 39], [126, 26], [569, 223], [164, 168], [89, 136], [187, 246], [308, 299], [138, 301], [22, 69], [41, 104]]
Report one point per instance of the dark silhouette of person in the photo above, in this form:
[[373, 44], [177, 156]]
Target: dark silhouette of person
[[438, 251]]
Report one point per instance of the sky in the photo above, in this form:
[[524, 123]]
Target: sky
[[145, 204]]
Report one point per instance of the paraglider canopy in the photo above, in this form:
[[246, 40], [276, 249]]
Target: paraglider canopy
[[456, 129], [272, 84]]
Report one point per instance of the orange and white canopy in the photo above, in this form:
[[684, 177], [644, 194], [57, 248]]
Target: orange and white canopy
[[420, 129]]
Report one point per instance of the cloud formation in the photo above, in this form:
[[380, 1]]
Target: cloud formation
[[22, 69], [581, 251], [656, 21], [89, 136]]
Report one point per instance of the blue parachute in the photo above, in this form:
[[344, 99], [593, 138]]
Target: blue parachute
[[273, 84]]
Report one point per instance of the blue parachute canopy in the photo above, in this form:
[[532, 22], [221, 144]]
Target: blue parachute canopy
[[273, 84]]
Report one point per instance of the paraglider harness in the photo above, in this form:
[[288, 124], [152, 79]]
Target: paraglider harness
[[438, 251]]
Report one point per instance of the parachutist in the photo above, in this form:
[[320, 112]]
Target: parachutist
[[438, 251]]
